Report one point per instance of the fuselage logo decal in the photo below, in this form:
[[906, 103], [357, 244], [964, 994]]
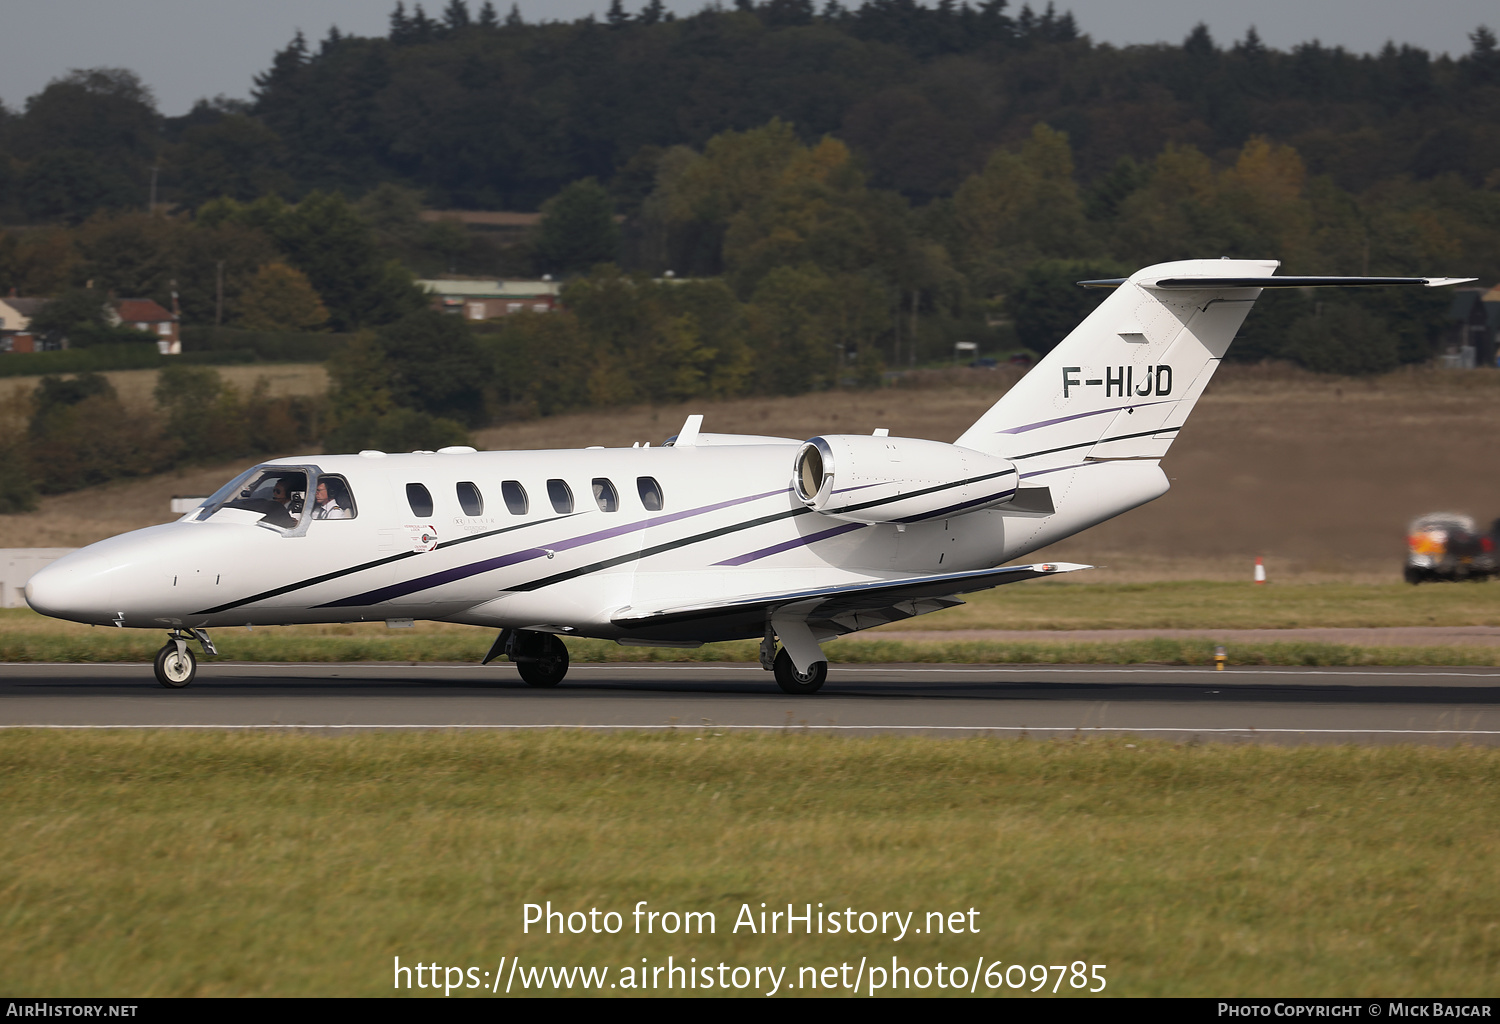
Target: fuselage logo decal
[[1155, 380]]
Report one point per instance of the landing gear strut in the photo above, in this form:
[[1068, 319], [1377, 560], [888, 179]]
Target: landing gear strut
[[175, 664], [541, 658]]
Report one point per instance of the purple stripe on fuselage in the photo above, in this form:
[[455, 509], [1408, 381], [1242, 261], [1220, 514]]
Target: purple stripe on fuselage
[[461, 572], [1078, 416], [776, 549]]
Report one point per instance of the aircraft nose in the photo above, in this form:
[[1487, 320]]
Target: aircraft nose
[[66, 590]]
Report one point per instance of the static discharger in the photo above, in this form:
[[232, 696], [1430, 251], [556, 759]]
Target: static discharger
[[1260, 570], [1220, 657]]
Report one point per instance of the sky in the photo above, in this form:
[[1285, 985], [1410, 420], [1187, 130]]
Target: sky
[[188, 49]]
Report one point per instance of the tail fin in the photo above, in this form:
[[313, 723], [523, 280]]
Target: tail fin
[[1122, 383]]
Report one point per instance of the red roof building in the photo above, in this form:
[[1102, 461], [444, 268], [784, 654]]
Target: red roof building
[[148, 315]]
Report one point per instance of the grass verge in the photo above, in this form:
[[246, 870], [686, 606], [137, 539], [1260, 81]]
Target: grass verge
[[162, 864], [1063, 603]]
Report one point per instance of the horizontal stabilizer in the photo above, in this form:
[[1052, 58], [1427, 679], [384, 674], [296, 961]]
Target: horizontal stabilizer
[[747, 616]]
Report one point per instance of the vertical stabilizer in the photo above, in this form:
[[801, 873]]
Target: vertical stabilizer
[[1122, 384]]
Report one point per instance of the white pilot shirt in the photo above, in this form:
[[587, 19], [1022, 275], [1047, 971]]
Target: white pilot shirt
[[330, 509]]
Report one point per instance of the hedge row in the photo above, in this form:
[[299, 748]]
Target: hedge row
[[264, 346]]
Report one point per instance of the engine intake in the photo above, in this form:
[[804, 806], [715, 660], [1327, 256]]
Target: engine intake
[[872, 479]]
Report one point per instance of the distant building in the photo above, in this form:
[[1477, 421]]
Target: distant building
[[15, 324], [150, 316], [1475, 314], [488, 299]]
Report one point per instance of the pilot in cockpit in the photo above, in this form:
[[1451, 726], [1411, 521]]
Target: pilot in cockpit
[[284, 507], [326, 506]]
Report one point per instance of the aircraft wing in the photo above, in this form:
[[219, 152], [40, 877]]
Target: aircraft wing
[[830, 611]]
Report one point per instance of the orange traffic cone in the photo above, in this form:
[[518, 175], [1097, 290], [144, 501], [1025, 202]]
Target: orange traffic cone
[[1260, 570]]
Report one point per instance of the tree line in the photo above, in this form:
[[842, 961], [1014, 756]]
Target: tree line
[[482, 111], [765, 200]]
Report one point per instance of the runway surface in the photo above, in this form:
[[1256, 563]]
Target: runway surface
[[1387, 636], [1284, 705]]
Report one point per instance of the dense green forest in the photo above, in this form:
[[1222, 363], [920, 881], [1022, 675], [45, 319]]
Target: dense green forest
[[488, 112], [837, 191]]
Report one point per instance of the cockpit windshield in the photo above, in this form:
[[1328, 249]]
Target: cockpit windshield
[[278, 493]]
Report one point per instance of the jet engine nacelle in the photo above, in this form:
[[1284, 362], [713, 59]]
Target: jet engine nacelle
[[873, 479]]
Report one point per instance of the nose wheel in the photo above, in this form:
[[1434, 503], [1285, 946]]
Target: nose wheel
[[175, 665]]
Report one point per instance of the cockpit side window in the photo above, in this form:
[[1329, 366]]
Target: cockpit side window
[[280, 494], [273, 496], [333, 499]]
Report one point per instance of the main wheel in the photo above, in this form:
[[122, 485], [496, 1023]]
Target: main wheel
[[174, 668], [550, 665], [792, 681]]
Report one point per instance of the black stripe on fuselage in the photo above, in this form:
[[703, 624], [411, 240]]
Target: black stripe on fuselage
[[631, 556], [1101, 440], [351, 570], [609, 563], [606, 563], [917, 494]]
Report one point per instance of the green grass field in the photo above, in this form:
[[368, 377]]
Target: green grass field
[[1064, 603], [156, 864]]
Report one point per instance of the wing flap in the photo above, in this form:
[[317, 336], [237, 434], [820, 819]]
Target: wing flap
[[746, 616]]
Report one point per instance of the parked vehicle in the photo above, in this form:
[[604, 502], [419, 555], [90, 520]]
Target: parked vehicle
[[1446, 546]]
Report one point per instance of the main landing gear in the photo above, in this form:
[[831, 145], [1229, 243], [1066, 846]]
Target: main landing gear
[[175, 664], [541, 658], [798, 683], [787, 677]]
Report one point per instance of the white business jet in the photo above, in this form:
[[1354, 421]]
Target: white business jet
[[710, 537]]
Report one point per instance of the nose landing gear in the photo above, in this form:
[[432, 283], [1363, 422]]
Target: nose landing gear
[[175, 664]]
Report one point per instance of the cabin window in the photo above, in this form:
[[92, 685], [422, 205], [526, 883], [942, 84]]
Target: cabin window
[[515, 497], [333, 499], [469, 499], [650, 492], [605, 496], [420, 500], [561, 495]]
